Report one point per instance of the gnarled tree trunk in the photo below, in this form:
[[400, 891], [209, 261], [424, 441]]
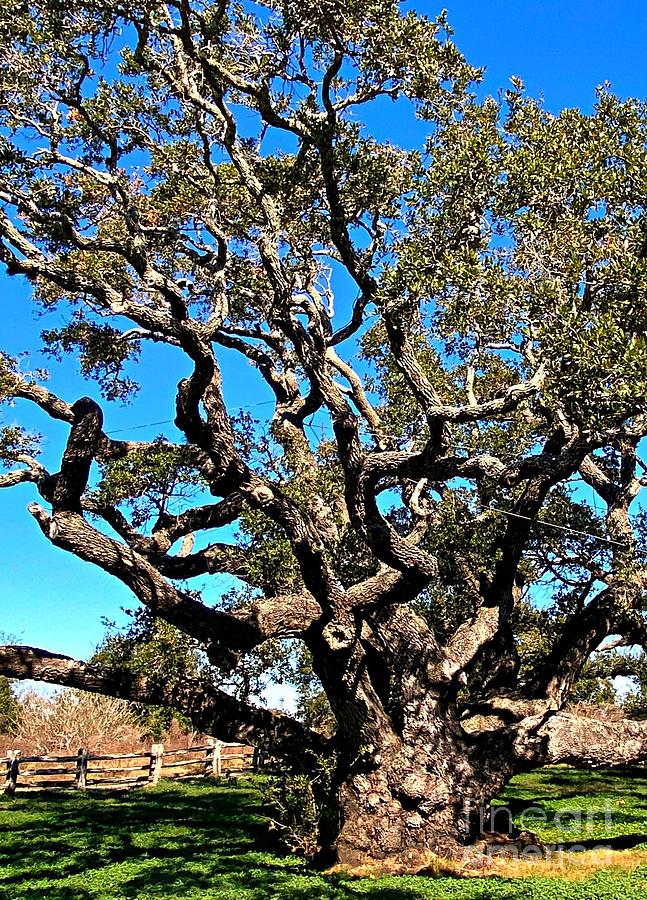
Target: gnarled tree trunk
[[411, 779], [421, 792]]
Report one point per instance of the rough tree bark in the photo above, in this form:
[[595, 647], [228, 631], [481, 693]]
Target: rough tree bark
[[403, 546]]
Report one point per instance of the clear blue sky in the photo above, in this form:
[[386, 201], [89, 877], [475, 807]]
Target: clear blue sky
[[561, 50]]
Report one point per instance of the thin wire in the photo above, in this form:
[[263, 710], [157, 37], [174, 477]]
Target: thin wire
[[136, 427], [319, 430], [322, 436], [170, 421], [596, 537]]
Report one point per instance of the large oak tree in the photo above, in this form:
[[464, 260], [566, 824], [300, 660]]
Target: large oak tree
[[465, 325]]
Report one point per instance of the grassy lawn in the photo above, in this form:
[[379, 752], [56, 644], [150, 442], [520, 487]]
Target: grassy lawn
[[199, 840]]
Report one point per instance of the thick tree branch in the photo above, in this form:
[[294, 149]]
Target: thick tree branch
[[210, 709], [70, 531], [80, 451], [169, 528], [107, 448], [610, 612], [561, 738], [215, 558]]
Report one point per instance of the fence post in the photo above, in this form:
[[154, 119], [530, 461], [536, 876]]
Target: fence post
[[258, 760], [155, 770], [81, 776], [13, 768], [213, 761], [208, 759]]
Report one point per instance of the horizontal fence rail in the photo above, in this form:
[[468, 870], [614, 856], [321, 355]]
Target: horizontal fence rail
[[87, 770]]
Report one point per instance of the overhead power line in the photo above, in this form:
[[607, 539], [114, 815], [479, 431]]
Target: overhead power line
[[322, 435], [136, 427], [171, 421], [513, 515]]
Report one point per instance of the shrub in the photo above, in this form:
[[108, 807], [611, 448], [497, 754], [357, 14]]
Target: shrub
[[302, 810], [9, 708], [70, 719]]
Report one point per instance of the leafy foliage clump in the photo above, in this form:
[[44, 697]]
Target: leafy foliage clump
[[151, 647], [149, 481], [301, 808], [9, 708]]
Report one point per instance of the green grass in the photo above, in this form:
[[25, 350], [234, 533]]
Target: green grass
[[587, 808], [199, 840]]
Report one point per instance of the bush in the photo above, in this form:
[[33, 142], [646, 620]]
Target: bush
[[70, 719], [9, 708], [302, 810]]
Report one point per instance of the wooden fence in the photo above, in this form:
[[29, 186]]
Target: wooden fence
[[94, 770]]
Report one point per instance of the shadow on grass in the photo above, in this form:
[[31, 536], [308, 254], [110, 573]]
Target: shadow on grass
[[563, 782], [191, 840], [619, 842]]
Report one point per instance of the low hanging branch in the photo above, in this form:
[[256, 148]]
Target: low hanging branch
[[210, 710]]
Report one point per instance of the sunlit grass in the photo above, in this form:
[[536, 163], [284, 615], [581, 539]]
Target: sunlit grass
[[201, 840]]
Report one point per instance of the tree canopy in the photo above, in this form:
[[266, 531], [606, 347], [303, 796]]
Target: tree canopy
[[441, 504]]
